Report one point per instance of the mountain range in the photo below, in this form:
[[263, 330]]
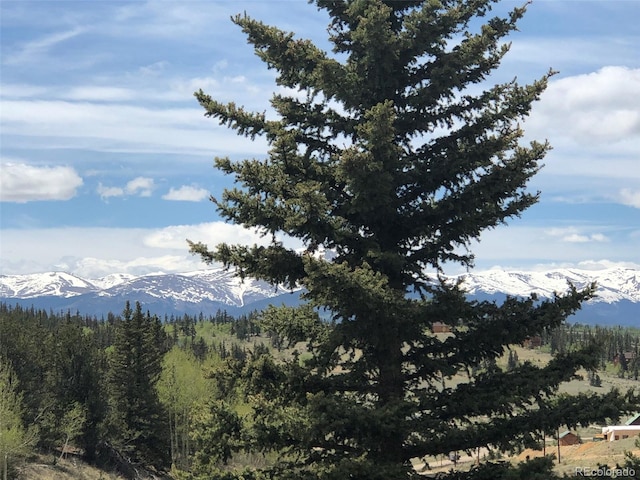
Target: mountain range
[[617, 301]]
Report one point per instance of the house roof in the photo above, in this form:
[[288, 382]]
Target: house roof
[[633, 420], [564, 434]]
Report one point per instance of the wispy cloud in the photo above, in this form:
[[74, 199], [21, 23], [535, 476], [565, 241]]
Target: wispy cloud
[[99, 93], [108, 192], [630, 197], [187, 193], [33, 50], [575, 235], [100, 251], [120, 127], [577, 238]]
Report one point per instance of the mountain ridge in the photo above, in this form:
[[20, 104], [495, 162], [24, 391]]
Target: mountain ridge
[[618, 290]]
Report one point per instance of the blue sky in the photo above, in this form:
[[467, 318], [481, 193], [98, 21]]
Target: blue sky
[[106, 158]]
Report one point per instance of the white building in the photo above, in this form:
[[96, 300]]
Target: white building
[[619, 432]]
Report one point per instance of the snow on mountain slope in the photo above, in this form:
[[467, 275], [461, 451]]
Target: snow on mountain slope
[[58, 284], [112, 280], [223, 287], [614, 284], [236, 291], [195, 287], [192, 287]]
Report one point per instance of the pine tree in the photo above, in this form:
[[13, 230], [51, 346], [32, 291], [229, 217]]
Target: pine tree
[[136, 420], [395, 153]]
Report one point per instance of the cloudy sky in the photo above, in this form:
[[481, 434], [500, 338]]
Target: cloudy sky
[[106, 158]]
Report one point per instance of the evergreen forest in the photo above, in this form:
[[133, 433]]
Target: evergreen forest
[[176, 397]]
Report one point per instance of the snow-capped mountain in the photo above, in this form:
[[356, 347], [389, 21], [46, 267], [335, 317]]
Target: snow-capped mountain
[[58, 284], [617, 301], [190, 292], [614, 284]]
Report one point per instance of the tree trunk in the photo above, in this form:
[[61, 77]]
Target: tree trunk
[[172, 444], [64, 448], [390, 393]]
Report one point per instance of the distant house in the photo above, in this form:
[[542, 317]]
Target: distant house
[[568, 438], [620, 432], [532, 342], [628, 356], [439, 327]]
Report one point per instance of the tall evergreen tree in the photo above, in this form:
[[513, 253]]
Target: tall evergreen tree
[[135, 419], [395, 153]]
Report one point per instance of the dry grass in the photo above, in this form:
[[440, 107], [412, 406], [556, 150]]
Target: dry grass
[[587, 455], [42, 468]]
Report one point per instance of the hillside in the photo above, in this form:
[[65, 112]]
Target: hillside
[[41, 467]]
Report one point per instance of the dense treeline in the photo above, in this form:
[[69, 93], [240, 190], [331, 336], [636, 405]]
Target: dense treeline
[[114, 386], [618, 346]]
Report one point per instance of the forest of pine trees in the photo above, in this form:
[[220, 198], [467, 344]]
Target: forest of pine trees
[[172, 395], [123, 383]]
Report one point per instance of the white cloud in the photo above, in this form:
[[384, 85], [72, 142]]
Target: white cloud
[[213, 233], [91, 267], [187, 193], [599, 237], [141, 186], [595, 108], [604, 264], [630, 197], [21, 183], [575, 235], [108, 192], [95, 252], [577, 238]]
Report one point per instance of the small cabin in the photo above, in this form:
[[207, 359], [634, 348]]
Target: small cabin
[[568, 438], [439, 327], [628, 357], [532, 342]]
